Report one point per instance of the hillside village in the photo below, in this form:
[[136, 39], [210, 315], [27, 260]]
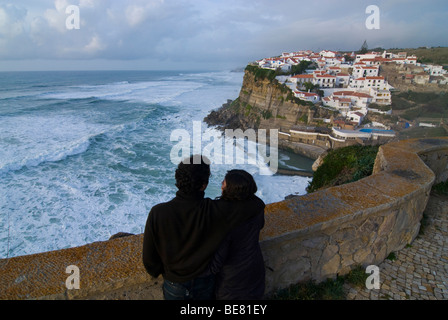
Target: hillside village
[[351, 84]]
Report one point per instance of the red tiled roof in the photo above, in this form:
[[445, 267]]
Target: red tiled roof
[[303, 76], [343, 93], [306, 94], [371, 78], [346, 100], [352, 93]]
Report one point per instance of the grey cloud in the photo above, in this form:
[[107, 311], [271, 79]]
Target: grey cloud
[[203, 31]]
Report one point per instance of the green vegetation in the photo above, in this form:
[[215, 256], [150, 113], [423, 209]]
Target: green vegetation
[[440, 188], [344, 165], [438, 55], [290, 97], [248, 109], [331, 289], [266, 114], [327, 290], [420, 132], [301, 67], [260, 73], [235, 105], [304, 118], [391, 256], [379, 107], [421, 104], [364, 48]]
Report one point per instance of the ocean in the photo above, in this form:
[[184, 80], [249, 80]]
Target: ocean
[[84, 155]]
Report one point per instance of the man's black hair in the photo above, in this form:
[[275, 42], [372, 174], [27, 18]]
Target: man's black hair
[[192, 174]]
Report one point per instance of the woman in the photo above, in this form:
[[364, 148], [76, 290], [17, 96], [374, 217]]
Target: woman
[[238, 264]]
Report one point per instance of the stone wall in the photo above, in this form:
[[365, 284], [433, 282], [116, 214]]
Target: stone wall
[[315, 236]]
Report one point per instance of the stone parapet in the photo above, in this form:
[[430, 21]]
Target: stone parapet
[[103, 267], [315, 236]]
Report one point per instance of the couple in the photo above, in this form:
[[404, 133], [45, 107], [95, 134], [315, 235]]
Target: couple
[[207, 249]]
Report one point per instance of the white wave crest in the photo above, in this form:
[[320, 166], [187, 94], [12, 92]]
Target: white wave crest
[[29, 141], [149, 92]]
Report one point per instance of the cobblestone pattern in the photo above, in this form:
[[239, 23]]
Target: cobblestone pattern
[[420, 270]]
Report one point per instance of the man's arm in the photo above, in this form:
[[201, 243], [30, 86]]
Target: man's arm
[[237, 212], [151, 258], [220, 256]]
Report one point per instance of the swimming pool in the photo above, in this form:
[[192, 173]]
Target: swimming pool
[[372, 130]]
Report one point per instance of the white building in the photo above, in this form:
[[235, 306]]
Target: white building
[[360, 71], [325, 80], [380, 96], [302, 78], [359, 100], [328, 54], [319, 78], [369, 82], [366, 56], [434, 70], [333, 70], [411, 60], [343, 105], [355, 117], [342, 80], [307, 96], [370, 134], [405, 60]]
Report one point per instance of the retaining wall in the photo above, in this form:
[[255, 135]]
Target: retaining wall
[[315, 236]]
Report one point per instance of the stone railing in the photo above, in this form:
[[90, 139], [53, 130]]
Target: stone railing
[[315, 236]]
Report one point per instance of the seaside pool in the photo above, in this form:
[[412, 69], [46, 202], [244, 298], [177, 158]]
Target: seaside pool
[[373, 130]]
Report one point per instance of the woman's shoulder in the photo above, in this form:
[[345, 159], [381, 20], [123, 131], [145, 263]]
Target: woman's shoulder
[[256, 201], [253, 202]]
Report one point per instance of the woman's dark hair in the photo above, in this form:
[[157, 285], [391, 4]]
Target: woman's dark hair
[[192, 173], [240, 185]]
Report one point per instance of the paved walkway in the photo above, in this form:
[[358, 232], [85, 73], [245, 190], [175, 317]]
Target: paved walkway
[[420, 270]]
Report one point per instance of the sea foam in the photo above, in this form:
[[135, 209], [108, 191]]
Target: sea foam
[[85, 156]]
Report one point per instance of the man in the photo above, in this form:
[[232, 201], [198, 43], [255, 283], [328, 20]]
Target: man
[[182, 235]]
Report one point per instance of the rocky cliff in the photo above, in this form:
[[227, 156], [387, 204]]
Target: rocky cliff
[[264, 103]]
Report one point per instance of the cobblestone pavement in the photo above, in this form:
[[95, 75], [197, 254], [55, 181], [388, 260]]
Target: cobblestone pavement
[[420, 270]]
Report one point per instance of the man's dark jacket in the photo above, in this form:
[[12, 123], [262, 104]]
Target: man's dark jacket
[[182, 235]]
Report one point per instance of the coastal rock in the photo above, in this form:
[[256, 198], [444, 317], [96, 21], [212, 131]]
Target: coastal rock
[[318, 161], [120, 235], [263, 104]]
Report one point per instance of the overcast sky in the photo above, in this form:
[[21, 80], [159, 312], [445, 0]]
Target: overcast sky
[[203, 34]]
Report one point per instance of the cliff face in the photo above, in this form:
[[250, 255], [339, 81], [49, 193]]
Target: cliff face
[[263, 103]]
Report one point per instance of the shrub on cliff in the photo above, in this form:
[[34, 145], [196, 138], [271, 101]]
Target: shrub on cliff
[[344, 165], [260, 73]]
